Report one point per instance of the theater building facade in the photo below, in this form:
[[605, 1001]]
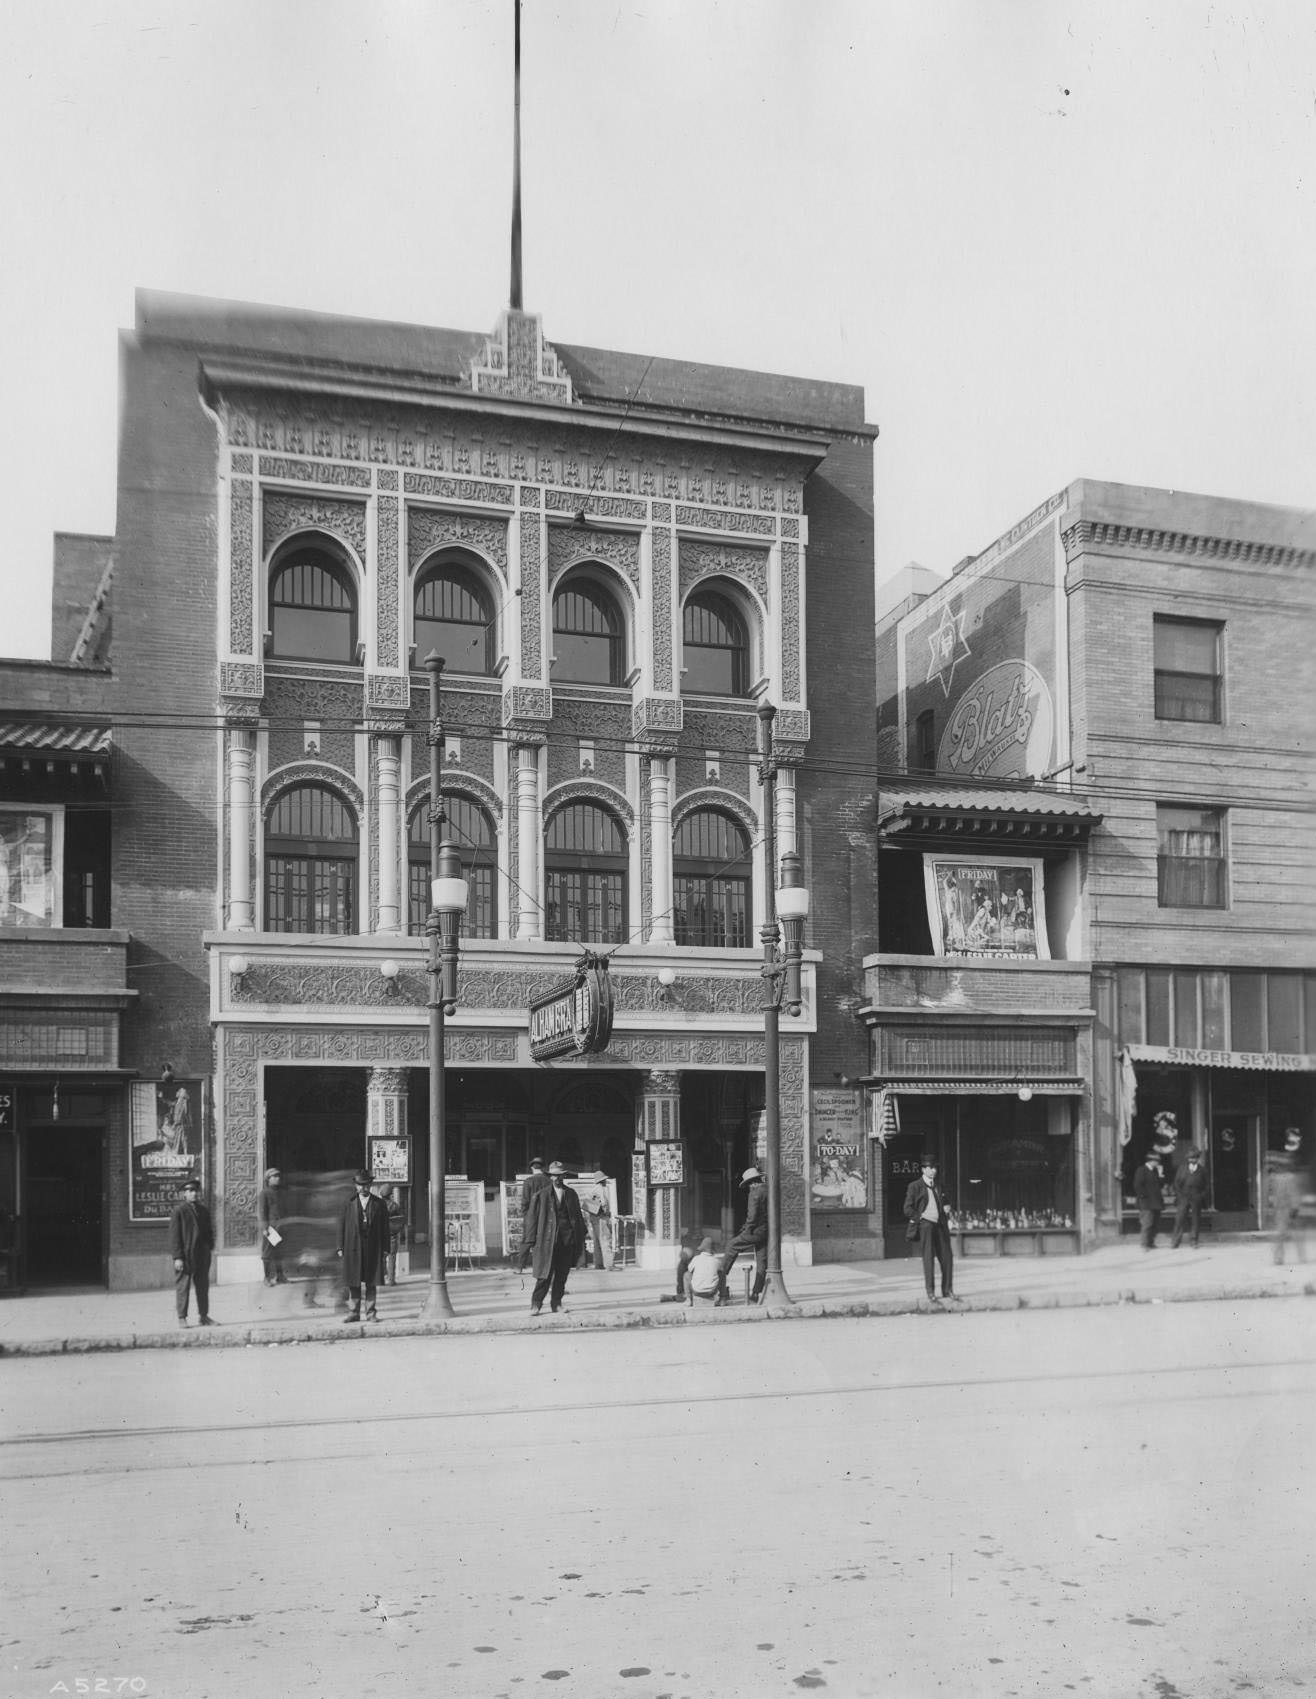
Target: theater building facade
[[619, 561], [1095, 849]]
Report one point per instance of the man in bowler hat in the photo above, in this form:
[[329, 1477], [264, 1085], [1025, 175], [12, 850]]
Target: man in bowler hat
[[1147, 1192], [925, 1207], [554, 1232], [753, 1236], [192, 1244], [269, 1212], [1189, 1196], [363, 1245]]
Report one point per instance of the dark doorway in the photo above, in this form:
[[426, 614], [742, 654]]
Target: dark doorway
[[64, 1206]]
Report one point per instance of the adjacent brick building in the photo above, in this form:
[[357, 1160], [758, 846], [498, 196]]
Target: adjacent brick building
[[1097, 834]]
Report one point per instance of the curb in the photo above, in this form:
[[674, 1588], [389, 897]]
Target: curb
[[674, 1315]]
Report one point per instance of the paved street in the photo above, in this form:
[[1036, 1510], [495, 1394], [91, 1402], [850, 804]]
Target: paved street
[[1100, 1501]]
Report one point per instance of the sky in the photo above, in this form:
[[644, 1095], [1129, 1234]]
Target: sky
[[1050, 240]]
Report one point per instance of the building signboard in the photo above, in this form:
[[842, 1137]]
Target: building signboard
[[167, 1145], [577, 1019], [1269, 1061], [986, 906], [839, 1177]]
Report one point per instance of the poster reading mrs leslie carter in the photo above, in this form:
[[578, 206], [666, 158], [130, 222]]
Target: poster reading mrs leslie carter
[[986, 906], [167, 1123]]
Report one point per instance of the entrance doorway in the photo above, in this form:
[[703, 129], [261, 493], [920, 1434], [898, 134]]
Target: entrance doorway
[[1233, 1171], [63, 1192]]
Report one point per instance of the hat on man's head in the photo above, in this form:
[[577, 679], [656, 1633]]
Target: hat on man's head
[[927, 1160], [750, 1174], [190, 1186], [1194, 1155], [536, 1162], [1152, 1156], [361, 1178], [273, 1174], [556, 1168]]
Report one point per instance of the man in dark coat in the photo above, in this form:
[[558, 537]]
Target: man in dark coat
[[1147, 1192], [269, 1213], [753, 1236], [535, 1181], [192, 1244], [925, 1207], [1189, 1196], [554, 1231], [363, 1245]]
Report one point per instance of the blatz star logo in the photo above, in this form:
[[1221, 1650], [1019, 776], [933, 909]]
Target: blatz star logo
[[948, 647]]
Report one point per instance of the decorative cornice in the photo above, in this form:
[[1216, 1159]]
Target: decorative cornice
[[1090, 533]]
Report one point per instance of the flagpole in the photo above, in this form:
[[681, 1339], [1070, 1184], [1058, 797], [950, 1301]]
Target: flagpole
[[515, 301]]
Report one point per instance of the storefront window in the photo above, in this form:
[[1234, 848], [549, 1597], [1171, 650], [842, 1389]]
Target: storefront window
[[1015, 1163]]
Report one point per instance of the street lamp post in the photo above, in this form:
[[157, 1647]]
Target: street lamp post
[[781, 982], [447, 905]]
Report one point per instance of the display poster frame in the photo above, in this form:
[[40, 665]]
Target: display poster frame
[[389, 1160], [463, 1217], [666, 1162], [166, 1129], [838, 1176], [31, 866], [987, 906], [640, 1185]]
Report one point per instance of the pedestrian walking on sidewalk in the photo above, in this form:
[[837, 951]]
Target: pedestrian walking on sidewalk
[[554, 1230], [753, 1236], [1189, 1196], [925, 1209], [1147, 1190], [192, 1244], [363, 1245], [535, 1181], [269, 1213], [1286, 1187]]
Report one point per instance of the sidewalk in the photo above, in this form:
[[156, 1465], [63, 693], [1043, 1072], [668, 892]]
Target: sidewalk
[[46, 1323]]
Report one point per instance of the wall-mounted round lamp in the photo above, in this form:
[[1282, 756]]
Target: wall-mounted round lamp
[[1025, 1094], [666, 978], [237, 969], [389, 971]]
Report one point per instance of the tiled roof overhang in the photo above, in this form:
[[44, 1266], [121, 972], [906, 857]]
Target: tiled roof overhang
[[1016, 815]]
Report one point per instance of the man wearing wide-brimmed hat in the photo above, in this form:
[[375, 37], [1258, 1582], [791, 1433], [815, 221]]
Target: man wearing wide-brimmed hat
[[753, 1236], [363, 1245], [554, 1234]]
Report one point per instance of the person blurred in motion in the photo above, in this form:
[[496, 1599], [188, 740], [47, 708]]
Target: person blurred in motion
[[753, 1236], [269, 1213], [1286, 1192], [362, 1244], [192, 1244], [598, 1215], [554, 1233]]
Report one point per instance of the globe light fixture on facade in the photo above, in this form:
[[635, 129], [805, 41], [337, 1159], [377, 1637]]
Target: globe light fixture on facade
[[388, 972]]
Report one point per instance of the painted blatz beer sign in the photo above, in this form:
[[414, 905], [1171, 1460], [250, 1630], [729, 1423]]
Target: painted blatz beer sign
[[577, 1019]]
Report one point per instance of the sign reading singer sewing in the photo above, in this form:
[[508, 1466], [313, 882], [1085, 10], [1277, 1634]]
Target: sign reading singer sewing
[[577, 1019]]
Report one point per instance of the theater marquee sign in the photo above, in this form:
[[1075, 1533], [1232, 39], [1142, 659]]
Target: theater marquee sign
[[575, 1020]]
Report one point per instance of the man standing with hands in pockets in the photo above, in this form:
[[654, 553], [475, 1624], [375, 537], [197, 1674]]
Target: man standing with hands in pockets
[[925, 1208]]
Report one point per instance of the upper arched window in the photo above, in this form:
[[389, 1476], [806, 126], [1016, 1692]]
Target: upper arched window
[[471, 829], [310, 862], [589, 635], [715, 646], [312, 607], [711, 881], [585, 875], [453, 617]]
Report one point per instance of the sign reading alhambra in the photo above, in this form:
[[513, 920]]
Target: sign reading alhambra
[[575, 1020]]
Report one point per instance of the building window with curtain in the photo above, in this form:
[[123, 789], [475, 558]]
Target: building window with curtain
[[453, 617], [1186, 659], [1192, 868], [310, 863], [711, 881], [312, 608], [715, 646], [471, 829], [589, 635], [585, 876]]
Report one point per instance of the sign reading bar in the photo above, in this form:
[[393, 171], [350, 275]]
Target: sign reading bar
[[577, 1019]]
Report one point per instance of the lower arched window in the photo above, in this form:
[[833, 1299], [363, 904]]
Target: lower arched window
[[471, 829], [310, 862], [585, 876], [711, 881]]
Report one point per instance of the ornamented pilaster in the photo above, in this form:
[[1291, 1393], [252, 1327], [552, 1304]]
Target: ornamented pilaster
[[389, 750], [386, 1103], [527, 839], [660, 819], [241, 770]]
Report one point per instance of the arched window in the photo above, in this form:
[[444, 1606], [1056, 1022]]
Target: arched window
[[310, 863], [471, 829], [715, 653], [312, 608], [710, 881], [585, 875], [589, 636], [453, 616]]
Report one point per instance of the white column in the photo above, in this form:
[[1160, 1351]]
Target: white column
[[660, 833], [785, 812], [390, 776], [527, 842], [241, 909]]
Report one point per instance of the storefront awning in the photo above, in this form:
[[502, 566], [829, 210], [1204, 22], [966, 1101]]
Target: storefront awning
[[38, 744], [1015, 814], [977, 1088]]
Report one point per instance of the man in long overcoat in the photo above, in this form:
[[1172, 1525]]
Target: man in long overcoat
[[363, 1245], [553, 1233], [191, 1245], [535, 1181]]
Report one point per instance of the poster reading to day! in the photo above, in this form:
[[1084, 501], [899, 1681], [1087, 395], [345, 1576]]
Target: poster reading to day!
[[986, 906], [167, 1123], [840, 1152]]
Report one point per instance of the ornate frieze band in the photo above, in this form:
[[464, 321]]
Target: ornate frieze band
[[241, 639], [283, 514]]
